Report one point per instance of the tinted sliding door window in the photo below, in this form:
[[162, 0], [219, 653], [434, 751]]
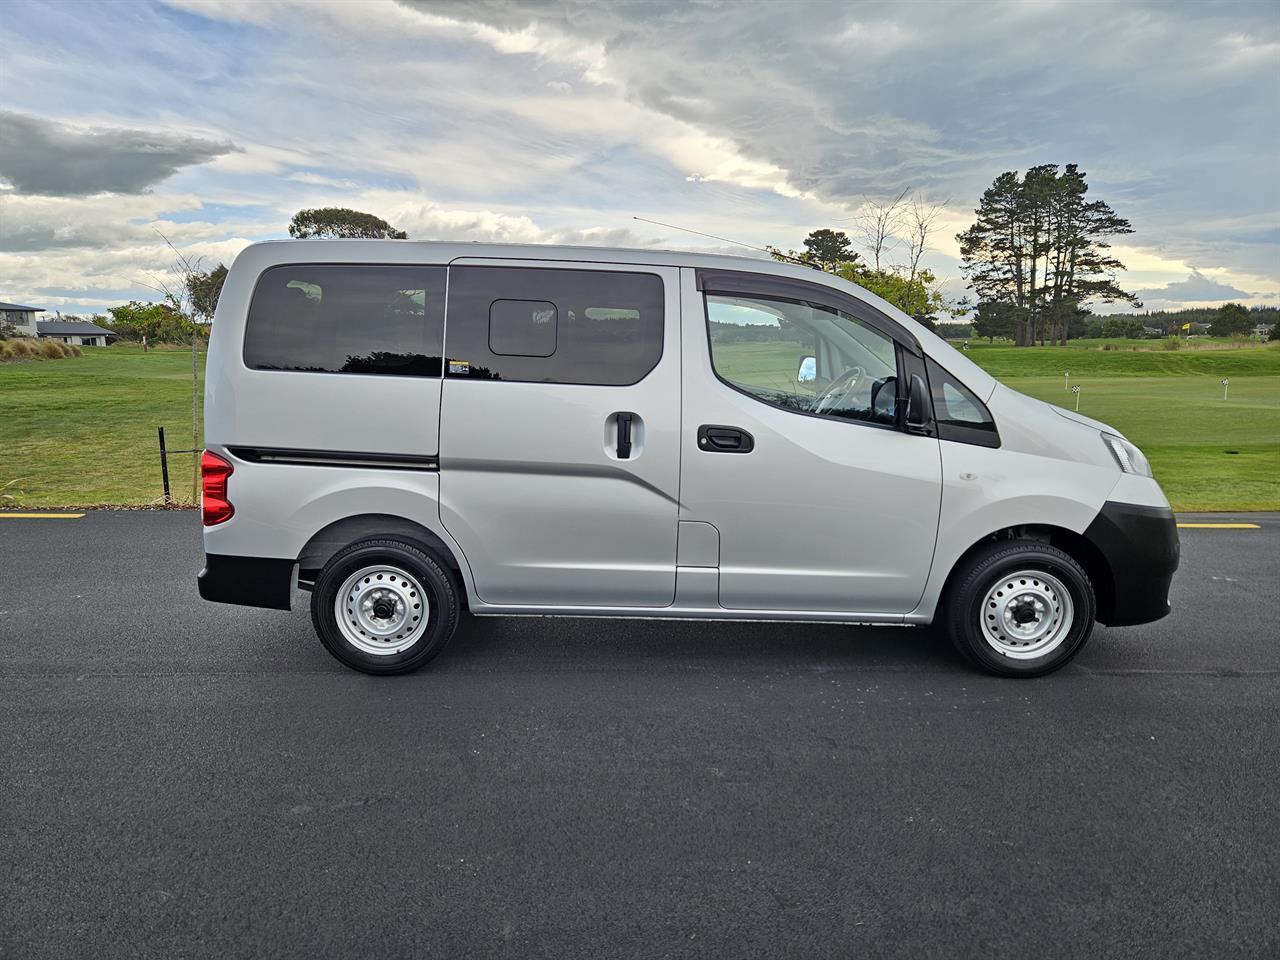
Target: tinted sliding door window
[[371, 319], [804, 357], [545, 325]]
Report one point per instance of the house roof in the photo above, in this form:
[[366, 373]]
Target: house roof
[[18, 306], [71, 328]]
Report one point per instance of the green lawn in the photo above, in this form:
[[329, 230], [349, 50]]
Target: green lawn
[[1208, 453], [83, 431]]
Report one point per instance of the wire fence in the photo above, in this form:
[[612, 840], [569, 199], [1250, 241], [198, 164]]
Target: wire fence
[[165, 453]]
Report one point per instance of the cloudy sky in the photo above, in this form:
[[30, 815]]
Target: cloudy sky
[[213, 122]]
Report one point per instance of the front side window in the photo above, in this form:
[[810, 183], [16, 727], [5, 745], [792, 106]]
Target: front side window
[[348, 318], [804, 356], [549, 325]]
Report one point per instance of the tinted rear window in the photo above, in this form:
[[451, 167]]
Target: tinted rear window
[[371, 319], [546, 325]]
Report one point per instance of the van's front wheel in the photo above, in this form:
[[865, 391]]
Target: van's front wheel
[[1021, 609], [384, 606]]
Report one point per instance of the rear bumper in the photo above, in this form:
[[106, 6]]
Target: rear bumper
[[247, 581], [1140, 545]]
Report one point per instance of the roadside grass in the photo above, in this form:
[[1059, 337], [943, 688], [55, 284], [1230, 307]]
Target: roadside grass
[[83, 431]]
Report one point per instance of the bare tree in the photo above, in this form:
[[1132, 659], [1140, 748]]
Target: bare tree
[[921, 219], [877, 222]]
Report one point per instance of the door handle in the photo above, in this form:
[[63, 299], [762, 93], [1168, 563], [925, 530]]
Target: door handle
[[714, 438], [624, 436]]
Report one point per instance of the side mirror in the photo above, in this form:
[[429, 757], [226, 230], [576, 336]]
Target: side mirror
[[807, 371], [918, 403]]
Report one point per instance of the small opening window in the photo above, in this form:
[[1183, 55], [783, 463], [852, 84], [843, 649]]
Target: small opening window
[[523, 328]]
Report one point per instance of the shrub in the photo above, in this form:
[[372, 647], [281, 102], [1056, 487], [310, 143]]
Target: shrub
[[74, 350], [6, 350], [21, 348], [51, 350], [1172, 343]]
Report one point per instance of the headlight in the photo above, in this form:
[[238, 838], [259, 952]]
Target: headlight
[[1128, 456]]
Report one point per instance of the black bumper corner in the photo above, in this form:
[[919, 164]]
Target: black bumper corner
[[1140, 546], [247, 581]]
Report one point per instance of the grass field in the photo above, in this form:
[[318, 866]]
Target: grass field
[[83, 430]]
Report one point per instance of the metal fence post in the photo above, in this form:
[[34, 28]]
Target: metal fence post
[[164, 464]]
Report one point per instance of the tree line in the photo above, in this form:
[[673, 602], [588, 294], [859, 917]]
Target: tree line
[[1228, 320]]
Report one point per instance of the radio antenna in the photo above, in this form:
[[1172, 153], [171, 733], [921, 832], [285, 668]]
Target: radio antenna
[[736, 243]]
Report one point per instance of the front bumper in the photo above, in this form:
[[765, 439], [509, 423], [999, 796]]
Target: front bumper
[[247, 581], [1140, 546]]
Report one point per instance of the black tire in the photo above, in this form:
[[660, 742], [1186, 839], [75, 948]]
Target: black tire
[[437, 585], [982, 572]]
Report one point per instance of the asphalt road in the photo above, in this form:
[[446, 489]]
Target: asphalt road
[[179, 779]]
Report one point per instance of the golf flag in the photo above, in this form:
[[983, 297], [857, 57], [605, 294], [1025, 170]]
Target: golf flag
[[1186, 326]]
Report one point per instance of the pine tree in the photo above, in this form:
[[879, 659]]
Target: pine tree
[[1039, 247]]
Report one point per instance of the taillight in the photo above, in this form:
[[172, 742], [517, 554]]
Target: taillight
[[214, 471]]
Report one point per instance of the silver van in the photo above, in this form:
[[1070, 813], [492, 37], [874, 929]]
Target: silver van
[[413, 430]]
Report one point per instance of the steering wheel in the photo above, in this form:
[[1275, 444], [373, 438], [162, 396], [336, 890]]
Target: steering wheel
[[838, 389]]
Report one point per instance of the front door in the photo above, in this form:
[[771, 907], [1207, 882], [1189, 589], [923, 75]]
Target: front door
[[795, 451], [559, 431]]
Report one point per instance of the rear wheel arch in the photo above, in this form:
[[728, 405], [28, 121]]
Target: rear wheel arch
[[1073, 544], [339, 534]]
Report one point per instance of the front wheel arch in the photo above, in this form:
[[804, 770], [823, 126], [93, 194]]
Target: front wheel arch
[[1073, 544]]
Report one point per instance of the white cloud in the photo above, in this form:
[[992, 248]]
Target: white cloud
[[546, 120], [1195, 288]]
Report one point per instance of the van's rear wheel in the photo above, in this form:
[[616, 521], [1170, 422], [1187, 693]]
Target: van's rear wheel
[[1021, 609], [384, 606]]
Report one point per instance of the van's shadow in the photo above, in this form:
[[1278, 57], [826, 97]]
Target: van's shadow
[[614, 643]]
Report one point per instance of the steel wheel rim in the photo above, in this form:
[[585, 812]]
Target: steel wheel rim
[[381, 610], [1026, 615]]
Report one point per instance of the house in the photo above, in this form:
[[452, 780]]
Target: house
[[74, 331], [81, 332], [1263, 330], [22, 317]]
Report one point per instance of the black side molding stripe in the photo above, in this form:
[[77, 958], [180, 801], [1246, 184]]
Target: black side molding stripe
[[335, 458]]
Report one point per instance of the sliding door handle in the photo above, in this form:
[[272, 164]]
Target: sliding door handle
[[624, 435], [714, 438]]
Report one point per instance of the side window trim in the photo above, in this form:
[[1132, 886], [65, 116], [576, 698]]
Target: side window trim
[[900, 357]]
